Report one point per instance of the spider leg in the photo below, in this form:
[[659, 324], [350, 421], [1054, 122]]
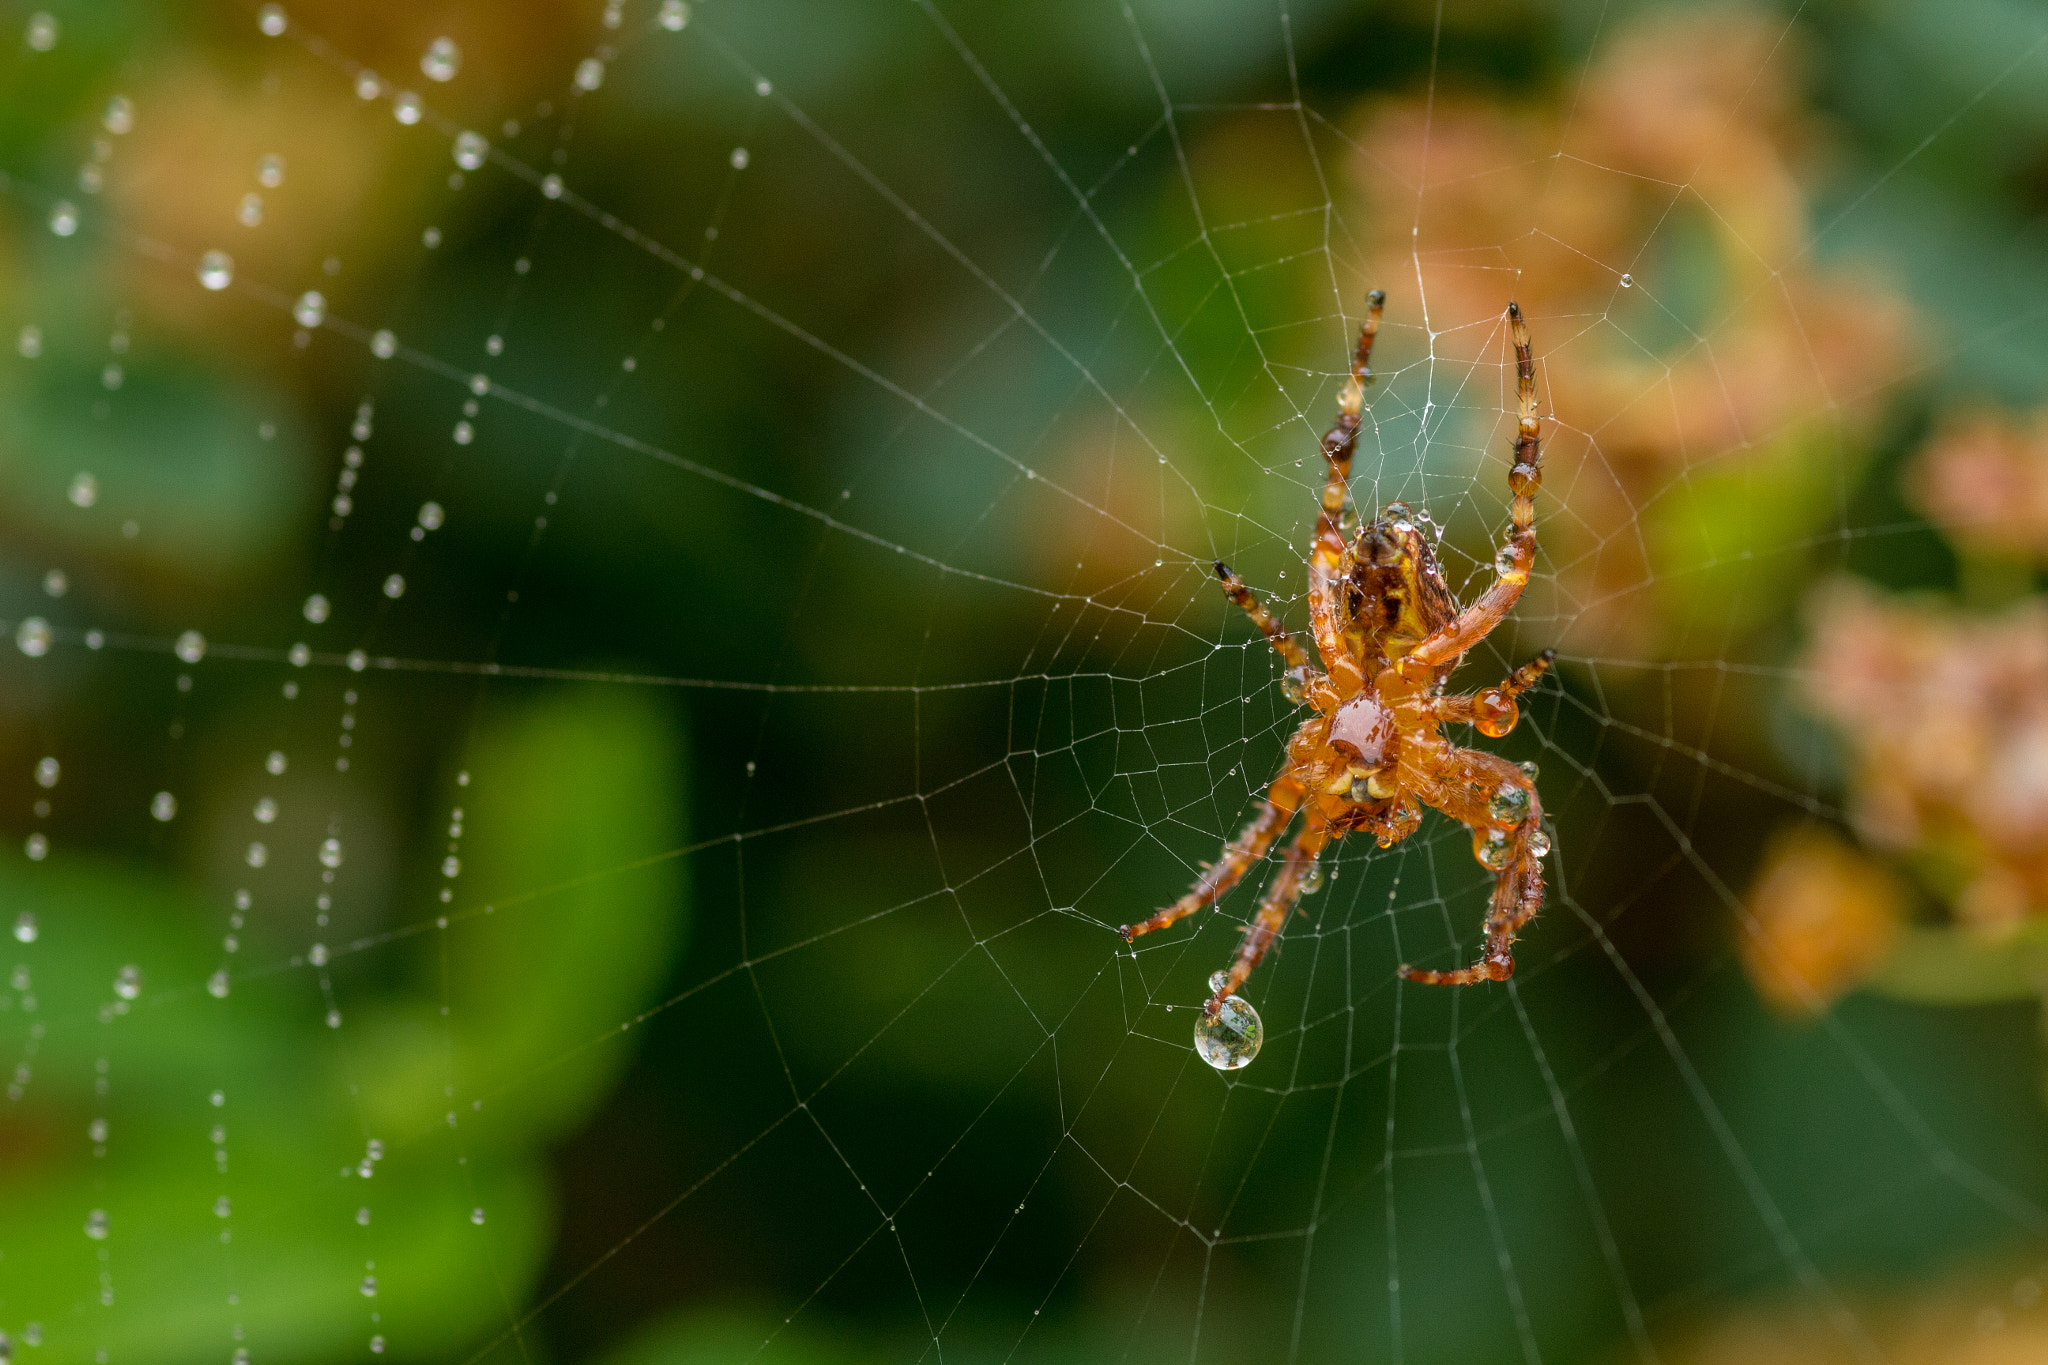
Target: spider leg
[[1519, 554], [1280, 899], [1493, 709], [1284, 797], [1326, 554], [1276, 634], [1518, 885]]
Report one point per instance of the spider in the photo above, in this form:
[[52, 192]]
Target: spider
[[1390, 632]]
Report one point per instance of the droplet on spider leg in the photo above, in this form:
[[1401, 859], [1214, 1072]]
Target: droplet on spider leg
[[1493, 848], [1494, 714], [1539, 843], [1509, 804], [1232, 1038], [1530, 770], [1294, 684]]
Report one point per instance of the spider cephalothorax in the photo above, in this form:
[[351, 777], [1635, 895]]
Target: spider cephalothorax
[[1389, 632]]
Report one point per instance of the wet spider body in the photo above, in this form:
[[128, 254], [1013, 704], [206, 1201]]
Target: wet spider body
[[1389, 633]]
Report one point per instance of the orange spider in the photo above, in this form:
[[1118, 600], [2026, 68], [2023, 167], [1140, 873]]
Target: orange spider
[[1390, 633]]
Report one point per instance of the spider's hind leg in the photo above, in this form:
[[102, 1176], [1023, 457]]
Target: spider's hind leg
[[1239, 854]]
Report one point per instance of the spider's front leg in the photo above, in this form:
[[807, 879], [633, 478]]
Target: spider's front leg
[[1274, 907], [1284, 644], [1282, 800], [1492, 710], [1326, 553], [1498, 802], [1518, 556]]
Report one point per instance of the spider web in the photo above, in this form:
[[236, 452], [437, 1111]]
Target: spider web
[[776, 462]]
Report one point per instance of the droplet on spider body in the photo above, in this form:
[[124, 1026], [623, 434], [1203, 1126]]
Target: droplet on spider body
[[1509, 804], [1232, 1038], [1539, 843], [1530, 770], [1493, 848]]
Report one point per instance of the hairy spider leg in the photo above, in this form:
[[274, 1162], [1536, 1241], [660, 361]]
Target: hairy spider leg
[[1282, 800], [1517, 888], [1279, 901], [1276, 634], [1519, 554], [1326, 553], [1493, 709]]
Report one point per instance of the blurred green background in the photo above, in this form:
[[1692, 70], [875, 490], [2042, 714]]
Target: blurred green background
[[743, 476]]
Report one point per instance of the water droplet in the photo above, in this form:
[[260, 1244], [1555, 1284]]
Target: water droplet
[[32, 637], [311, 309], [369, 85], [258, 854], [316, 609], [317, 955], [369, 1286], [300, 655], [357, 661], [330, 853], [1539, 843], [216, 270], [64, 218], [163, 806], [377, 1344], [1232, 1038], [441, 60], [29, 342], [1493, 848], [551, 186], [1530, 771], [1294, 684], [451, 866], [56, 583], [476, 1216], [1509, 803], [270, 171], [119, 117], [271, 20], [191, 647], [1628, 281], [1217, 980], [383, 344], [128, 982], [97, 1130], [374, 1149], [37, 847], [394, 586], [42, 32], [431, 238], [406, 108], [266, 809], [1312, 880], [84, 490], [25, 929], [217, 987], [589, 74], [1504, 562], [464, 433], [96, 1225], [739, 158], [48, 770], [674, 14], [470, 150], [431, 516], [363, 1217]]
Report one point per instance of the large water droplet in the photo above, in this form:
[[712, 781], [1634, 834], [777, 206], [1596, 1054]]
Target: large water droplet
[[674, 14], [1232, 1038], [191, 646], [589, 74], [216, 270], [470, 150], [1508, 804], [25, 929], [96, 1225], [163, 805], [311, 309], [1493, 848], [1539, 843], [441, 60], [32, 637], [128, 982], [63, 218]]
